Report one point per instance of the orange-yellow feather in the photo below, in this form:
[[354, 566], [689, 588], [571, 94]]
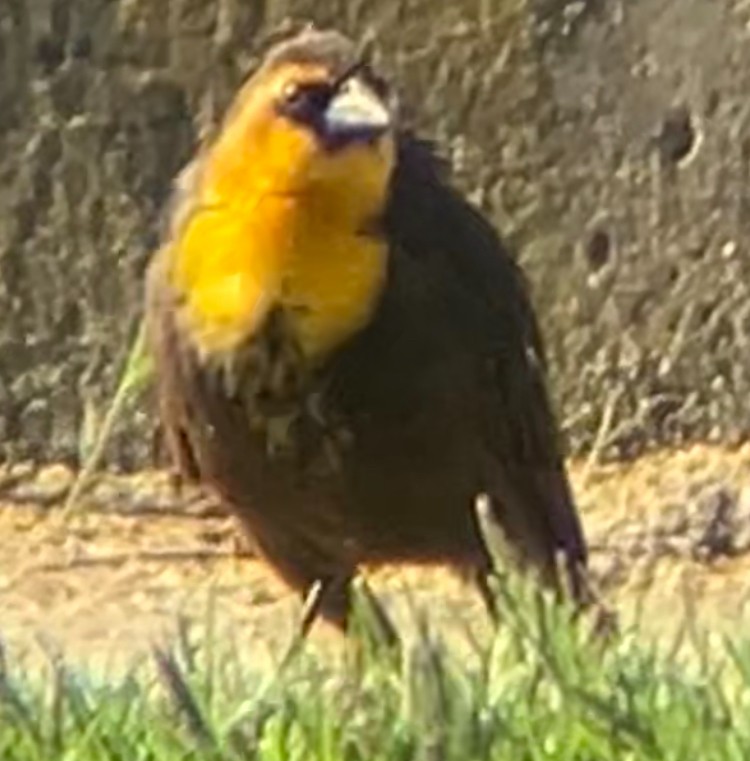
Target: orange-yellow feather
[[280, 221]]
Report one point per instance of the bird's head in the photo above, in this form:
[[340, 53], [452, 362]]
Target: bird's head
[[313, 121], [283, 207]]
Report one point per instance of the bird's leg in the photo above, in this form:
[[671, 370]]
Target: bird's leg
[[334, 604]]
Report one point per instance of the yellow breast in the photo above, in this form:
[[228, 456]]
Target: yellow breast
[[274, 219], [234, 264]]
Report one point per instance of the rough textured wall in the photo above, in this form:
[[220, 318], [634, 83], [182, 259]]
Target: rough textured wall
[[609, 139]]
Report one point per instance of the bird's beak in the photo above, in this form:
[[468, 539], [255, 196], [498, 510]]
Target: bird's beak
[[356, 112]]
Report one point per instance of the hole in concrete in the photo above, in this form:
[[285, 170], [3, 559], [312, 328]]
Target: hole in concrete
[[598, 249], [678, 136], [49, 54]]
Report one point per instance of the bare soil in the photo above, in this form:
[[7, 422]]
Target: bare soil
[[669, 535]]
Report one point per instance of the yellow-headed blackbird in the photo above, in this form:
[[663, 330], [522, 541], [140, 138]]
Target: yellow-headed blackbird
[[345, 351]]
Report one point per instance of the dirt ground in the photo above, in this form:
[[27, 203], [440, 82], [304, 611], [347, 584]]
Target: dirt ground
[[669, 535]]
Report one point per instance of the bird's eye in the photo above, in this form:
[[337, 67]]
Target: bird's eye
[[304, 101], [291, 92]]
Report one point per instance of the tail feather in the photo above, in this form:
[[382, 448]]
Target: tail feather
[[535, 510]]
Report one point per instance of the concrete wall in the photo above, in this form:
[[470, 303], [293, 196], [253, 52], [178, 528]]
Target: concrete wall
[[609, 139]]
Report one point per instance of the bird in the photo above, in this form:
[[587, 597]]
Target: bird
[[345, 350]]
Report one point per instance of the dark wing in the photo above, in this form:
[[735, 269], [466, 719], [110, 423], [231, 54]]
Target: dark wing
[[526, 476]]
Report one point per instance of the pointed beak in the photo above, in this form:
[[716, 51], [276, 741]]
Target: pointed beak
[[356, 112]]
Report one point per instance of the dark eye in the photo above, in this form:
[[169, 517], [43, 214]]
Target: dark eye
[[304, 102]]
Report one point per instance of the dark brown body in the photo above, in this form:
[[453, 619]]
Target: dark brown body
[[440, 398]]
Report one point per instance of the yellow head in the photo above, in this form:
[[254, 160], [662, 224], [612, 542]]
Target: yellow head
[[284, 207]]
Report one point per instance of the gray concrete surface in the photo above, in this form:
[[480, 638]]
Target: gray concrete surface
[[610, 141]]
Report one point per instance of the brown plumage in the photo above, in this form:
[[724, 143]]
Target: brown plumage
[[363, 434]]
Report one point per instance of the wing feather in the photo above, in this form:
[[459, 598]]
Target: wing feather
[[528, 481]]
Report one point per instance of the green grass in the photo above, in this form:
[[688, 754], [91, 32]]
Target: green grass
[[135, 376], [540, 689]]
